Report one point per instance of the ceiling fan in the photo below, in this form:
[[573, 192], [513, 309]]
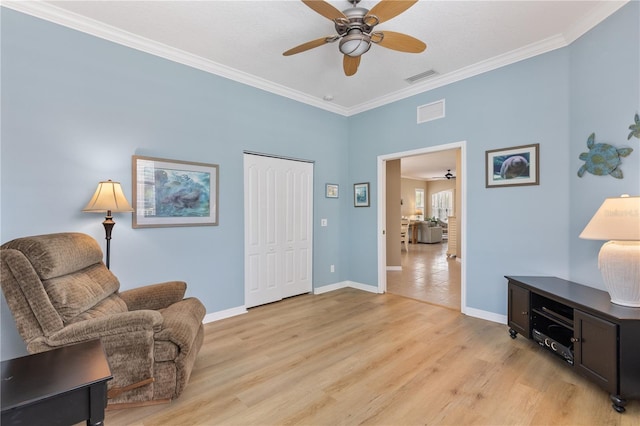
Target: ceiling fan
[[355, 30], [447, 176]]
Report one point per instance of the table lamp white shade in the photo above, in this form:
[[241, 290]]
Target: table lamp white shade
[[618, 220], [108, 197]]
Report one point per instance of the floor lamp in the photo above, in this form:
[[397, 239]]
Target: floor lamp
[[108, 198], [618, 220]]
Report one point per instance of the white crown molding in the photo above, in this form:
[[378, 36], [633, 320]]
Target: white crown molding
[[599, 14], [482, 67], [95, 28], [603, 11], [86, 25]]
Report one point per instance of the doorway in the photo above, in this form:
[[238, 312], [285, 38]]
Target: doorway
[[426, 250]]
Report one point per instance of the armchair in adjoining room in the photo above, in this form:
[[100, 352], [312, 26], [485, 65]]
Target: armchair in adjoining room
[[60, 292]]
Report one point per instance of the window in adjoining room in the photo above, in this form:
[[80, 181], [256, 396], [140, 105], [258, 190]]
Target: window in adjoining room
[[442, 205], [419, 203]]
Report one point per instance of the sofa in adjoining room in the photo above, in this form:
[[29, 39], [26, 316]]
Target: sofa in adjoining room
[[60, 292], [428, 233]]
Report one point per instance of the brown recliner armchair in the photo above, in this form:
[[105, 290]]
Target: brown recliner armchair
[[60, 293]]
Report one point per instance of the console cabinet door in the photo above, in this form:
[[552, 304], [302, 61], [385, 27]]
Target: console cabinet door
[[518, 310], [596, 350]]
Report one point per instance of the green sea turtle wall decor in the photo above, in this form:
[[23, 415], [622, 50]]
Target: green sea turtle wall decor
[[635, 128], [602, 159]]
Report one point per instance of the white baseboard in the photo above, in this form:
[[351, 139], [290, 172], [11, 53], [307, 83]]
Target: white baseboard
[[485, 315], [344, 284], [227, 313], [472, 312], [363, 287], [330, 287]]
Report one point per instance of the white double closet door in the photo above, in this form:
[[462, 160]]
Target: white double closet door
[[278, 220]]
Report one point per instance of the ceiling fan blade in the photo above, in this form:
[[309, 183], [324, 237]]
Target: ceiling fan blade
[[350, 64], [402, 42], [308, 45], [324, 9], [388, 9]]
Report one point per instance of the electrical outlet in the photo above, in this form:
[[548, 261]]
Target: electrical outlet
[[333, 268]]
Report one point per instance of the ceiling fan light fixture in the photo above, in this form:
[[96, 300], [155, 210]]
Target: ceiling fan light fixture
[[355, 43]]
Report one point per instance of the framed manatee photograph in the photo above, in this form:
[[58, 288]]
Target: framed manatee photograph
[[174, 193], [516, 166], [361, 194]]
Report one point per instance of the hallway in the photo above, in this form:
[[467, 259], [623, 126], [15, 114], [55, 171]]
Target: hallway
[[427, 275]]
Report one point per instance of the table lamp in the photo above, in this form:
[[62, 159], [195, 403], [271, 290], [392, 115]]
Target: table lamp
[[108, 198], [618, 220]]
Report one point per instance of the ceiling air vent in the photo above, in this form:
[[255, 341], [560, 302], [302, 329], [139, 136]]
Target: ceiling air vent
[[431, 111], [421, 76]]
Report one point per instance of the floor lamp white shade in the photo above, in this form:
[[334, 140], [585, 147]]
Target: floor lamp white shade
[[618, 220], [108, 198]]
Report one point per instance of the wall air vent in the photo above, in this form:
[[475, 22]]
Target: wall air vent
[[421, 76], [431, 111]]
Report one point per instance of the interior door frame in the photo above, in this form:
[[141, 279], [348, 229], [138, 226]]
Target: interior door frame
[[461, 211]]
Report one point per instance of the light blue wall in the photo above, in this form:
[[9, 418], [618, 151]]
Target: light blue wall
[[556, 100], [75, 108], [605, 95], [521, 104]]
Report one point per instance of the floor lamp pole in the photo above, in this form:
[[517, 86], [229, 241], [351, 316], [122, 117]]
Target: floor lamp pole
[[108, 226]]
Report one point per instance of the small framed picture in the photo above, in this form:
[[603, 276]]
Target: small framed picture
[[361, 194], [517, 166], [331, 190]]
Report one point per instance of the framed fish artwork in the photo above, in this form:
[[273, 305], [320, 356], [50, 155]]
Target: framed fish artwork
[[174, 193]]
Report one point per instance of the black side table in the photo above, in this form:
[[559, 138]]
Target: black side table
[[60, 387]]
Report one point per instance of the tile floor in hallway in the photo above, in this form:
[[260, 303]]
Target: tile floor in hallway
[[427, 275]]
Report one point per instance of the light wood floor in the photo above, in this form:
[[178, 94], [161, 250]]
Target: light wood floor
[[427, 275], [351, 357]]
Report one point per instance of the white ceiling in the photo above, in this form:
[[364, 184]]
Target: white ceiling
[[244, 41], [431, 166]]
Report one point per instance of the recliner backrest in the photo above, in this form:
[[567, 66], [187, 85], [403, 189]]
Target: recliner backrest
[[60, 278]]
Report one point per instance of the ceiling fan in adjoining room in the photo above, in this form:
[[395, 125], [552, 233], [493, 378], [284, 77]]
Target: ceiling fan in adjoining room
[[355, 30], [447, 176]]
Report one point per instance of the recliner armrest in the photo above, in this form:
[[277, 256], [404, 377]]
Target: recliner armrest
[[155, 296], [108, 325]]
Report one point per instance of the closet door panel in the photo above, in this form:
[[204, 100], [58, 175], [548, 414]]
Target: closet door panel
[[278, 228]]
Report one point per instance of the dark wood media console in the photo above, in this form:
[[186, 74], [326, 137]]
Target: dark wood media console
[[597, 339]]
